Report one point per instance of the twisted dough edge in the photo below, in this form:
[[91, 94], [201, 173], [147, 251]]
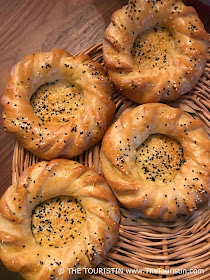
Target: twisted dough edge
[[152, 85], [191, 185], [47, 140], [18, 248]]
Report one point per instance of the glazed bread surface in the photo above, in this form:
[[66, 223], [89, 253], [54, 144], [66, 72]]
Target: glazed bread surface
[[157, 159], [57, 105], [155, 50], [60, 214]]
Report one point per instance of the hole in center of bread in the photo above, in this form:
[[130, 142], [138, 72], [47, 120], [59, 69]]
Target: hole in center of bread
[[159, 158], [154, 48], [58, 102], [58, 221]]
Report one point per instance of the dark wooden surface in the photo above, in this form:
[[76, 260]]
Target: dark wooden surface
[[28, 26]]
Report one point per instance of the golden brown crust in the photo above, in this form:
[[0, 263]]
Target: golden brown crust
[[69, 139], [190, 186], [18, 249], [147, 84]]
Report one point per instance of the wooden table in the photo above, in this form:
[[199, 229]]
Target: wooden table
[[29, 26]]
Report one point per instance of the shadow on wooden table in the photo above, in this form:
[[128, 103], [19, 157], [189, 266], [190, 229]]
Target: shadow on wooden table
[[8, 275], [106, 8]]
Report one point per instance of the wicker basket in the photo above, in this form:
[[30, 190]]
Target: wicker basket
[[173, 248]]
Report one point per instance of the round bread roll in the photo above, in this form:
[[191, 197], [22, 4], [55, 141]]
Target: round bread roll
[[155, 50], [157, 159], [59, 215], [57, 105]]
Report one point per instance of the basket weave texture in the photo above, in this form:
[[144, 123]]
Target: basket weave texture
[[172, 248]]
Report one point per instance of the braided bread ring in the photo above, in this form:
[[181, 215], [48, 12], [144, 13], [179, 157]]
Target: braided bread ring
[[67, 139], [187, 59], [190, 186], [18, 249]]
